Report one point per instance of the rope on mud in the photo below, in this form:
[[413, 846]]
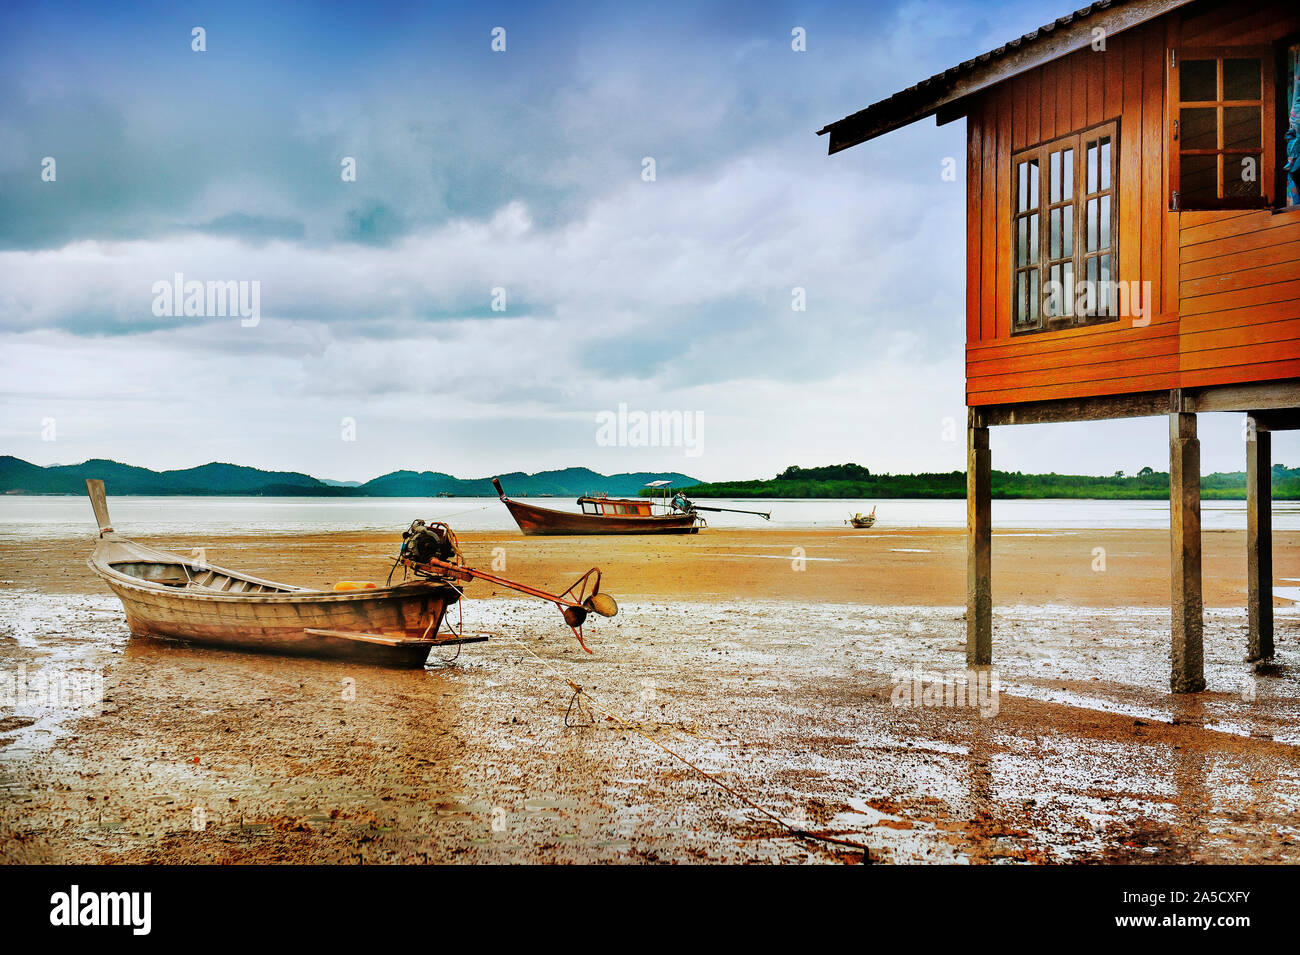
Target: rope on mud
[[460, 627], [798, 832]]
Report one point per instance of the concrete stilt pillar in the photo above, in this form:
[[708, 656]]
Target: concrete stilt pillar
[[979, 530], [1259, 542], [1187, 655]]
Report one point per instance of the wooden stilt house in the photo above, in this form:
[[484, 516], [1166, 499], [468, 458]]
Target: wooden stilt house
[[1133, 248]]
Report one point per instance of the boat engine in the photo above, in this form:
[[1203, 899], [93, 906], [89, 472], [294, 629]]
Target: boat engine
[[422, 542]]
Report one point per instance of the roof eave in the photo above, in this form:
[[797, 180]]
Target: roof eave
[[948, 93]]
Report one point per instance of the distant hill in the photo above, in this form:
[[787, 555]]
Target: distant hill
[[22, 477]]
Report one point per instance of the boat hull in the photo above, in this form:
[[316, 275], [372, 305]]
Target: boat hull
[[535, 521], [393, 626], [281, 625]]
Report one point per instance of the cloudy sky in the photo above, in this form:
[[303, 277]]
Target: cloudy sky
[[515, 178]]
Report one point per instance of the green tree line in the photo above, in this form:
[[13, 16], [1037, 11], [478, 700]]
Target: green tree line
[[855, 481]]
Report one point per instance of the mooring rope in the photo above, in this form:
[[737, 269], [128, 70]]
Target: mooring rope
[[472, 510], [595, 705]]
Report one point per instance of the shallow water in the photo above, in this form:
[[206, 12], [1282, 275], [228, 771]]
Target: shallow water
[[69, 517]]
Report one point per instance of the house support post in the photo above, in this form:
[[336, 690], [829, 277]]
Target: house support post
[[979, 528], [1259, 541], [1187, 656]]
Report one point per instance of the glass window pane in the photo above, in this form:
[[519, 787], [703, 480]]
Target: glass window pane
[[1241, 79], [1198, 179], [1197, 128], [1104, 291], [1047, 266], [1241, 176], [1241, 127], [1198, 80]]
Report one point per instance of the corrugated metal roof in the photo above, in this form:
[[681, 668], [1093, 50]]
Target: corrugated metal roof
[[927, 96]]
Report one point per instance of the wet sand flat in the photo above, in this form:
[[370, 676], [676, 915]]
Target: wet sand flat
[[775, 659], [885, 566]]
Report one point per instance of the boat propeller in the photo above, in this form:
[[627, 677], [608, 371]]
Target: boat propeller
[[575, 603], [575, 614], [431, 550]]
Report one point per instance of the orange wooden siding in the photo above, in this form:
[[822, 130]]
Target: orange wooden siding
[[1239, 297], [1224, 293]]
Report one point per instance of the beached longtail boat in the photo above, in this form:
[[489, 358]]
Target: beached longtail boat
[[615, 515], [169, 596]]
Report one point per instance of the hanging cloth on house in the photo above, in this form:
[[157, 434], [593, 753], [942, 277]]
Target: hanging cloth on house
[[1293, 127]]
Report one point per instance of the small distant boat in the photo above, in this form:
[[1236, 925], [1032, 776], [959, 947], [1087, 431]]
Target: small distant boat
[[862, 521], [615, 515]]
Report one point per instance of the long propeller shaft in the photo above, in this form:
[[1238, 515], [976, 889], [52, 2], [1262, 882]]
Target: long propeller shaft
[[765, 515]]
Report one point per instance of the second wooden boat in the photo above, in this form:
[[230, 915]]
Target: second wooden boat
[[600, 515], [617, 515]]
